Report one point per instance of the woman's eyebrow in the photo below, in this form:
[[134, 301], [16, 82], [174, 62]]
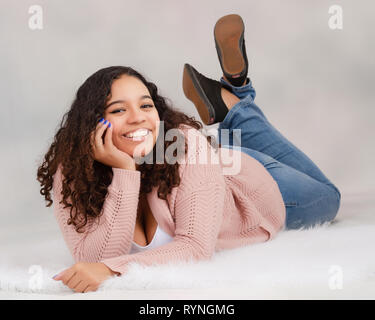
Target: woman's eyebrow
[[120, 101]]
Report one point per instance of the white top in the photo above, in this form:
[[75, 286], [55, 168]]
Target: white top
[[160, 238]]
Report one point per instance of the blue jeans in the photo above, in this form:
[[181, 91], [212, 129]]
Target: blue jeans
[[309, 197]]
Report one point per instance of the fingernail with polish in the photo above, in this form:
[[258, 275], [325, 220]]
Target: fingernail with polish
[[55, 276], [109, 125], [105, 122], [101, 120]]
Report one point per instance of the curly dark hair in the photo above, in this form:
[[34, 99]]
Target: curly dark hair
[[85, 179]]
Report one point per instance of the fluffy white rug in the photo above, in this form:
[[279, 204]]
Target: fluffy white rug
[[335, 261]]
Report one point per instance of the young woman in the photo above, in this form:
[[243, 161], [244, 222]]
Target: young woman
[[114, 210]]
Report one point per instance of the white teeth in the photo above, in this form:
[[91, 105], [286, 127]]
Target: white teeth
[[138, 133]]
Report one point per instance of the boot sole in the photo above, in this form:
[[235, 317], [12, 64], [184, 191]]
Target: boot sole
[[194, 92], [228, 31]]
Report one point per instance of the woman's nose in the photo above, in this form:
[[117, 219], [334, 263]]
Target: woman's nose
[[135, 115]]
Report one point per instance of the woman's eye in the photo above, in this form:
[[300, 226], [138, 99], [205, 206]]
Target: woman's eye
[[117, 110], [144, 105]]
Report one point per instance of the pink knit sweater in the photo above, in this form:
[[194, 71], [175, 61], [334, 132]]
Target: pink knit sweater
[[211, 210]]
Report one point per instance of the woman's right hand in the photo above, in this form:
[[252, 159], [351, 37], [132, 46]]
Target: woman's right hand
[[107, 153]]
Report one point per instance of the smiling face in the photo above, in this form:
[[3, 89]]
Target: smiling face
[[130, 108]]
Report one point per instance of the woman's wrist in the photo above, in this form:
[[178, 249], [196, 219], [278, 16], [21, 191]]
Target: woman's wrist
[[127, 167], [111, 272]]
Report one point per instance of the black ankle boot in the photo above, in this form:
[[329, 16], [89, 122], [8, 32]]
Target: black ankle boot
[[205, 93], [231, 50]]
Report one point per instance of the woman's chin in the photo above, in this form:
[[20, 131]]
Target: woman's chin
[[137, 149], [140, 151]]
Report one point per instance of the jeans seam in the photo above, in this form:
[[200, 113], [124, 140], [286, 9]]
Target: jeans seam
[[314, 201], [291, 204]]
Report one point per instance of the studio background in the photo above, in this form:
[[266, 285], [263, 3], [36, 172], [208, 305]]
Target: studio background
[[314, 84]]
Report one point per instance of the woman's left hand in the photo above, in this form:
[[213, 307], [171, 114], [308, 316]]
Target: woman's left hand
[[84, 276]]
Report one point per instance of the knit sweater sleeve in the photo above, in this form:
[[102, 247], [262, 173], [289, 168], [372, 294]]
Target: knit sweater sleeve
[[198, 216], [111, 234]]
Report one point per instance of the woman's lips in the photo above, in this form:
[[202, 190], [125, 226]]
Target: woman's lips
[[138, 139]]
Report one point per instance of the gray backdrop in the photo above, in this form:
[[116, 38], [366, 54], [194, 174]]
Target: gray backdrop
[[315, 84]]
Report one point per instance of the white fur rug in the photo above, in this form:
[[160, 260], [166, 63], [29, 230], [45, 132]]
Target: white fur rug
[[335, 261]]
